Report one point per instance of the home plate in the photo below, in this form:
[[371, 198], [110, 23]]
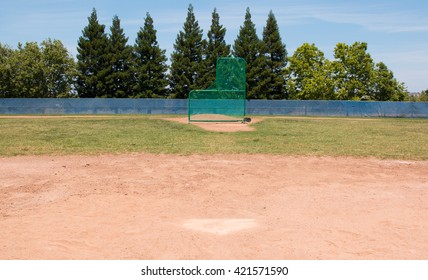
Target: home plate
[[219, 226]]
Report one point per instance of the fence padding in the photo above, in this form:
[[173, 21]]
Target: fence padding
[[59, 106], [56, 106], [336, 108]]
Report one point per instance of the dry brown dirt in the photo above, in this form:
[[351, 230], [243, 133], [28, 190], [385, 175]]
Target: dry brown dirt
[[144, 206]]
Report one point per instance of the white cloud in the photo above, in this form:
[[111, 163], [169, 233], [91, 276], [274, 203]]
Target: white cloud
[[374, 18], [384, 22]]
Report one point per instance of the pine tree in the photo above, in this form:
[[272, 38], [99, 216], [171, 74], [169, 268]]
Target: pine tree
[[247, 45], [186, 59], [119, 76], [150, 65], [216, 47], [276, 55], [91, 59]]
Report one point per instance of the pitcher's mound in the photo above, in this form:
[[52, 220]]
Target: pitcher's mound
[[219, 126]]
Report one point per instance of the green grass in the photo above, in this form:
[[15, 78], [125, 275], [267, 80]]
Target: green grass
[[381, 138]]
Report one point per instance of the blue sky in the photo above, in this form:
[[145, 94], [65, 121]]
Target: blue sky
[[396, 31]]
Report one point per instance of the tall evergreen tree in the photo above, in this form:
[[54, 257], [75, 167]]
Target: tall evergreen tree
[[276, 55], [150, 64], [91, 59], [119, 76], [248, 46], [216, 47], [187, 57]]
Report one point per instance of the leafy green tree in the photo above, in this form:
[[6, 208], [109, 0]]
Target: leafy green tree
[[309, 74], [28, 72], [248, 46], [59, 68], [357, 77], [353, 71], [276, 55], [216, 47], [5, 71], [44, 71], [187, 58], [423, 96], [150, 64], [92, 60], [119, 77], [384, 86]]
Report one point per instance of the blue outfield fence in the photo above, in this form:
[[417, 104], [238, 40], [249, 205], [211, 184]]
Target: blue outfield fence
[[59, 106], [338, 108]]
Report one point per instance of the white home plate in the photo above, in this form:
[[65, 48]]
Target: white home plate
[[219, 226]]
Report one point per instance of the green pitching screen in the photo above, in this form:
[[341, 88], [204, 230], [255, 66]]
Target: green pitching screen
[[225, 100]]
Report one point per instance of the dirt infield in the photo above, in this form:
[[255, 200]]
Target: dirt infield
[[143, 206]]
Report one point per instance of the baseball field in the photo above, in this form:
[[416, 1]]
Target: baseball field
[[155, 187]]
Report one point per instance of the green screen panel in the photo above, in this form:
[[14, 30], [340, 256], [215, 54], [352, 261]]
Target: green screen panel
[[225, 100]]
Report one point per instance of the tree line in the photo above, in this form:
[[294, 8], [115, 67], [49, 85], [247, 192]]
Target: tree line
[[108, 66]]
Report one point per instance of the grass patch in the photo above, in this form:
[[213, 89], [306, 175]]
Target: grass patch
[[381, 138]]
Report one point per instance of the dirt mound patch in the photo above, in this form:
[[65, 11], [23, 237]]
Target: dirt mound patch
[[220, 126]]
